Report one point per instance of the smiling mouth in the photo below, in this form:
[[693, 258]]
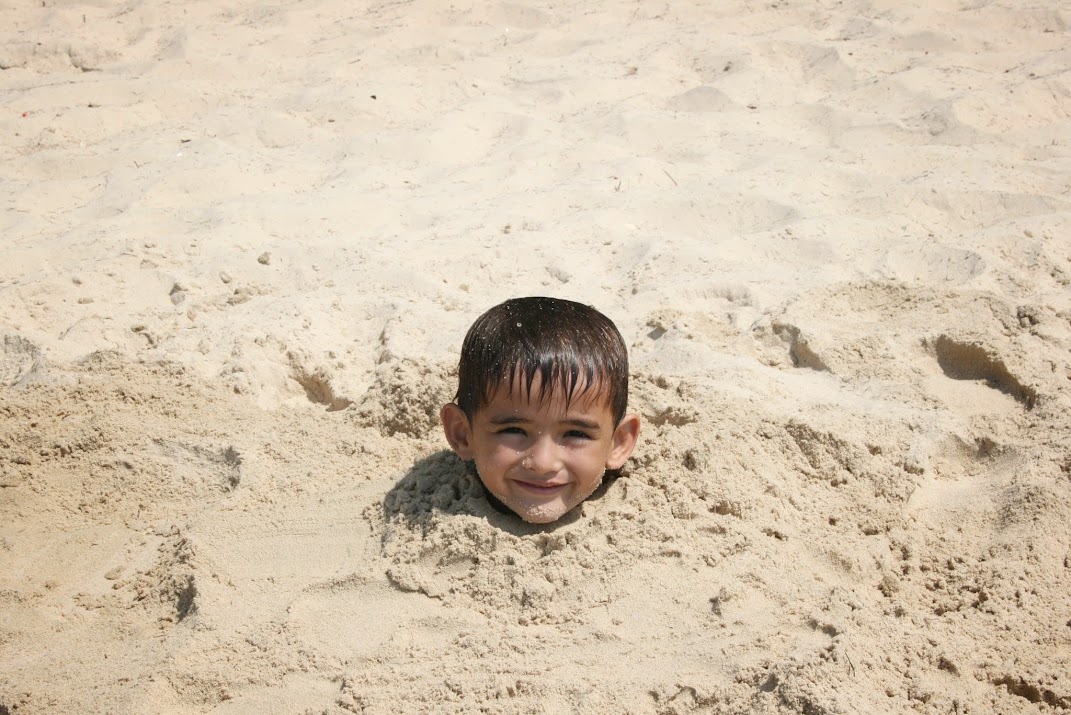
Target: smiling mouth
[[538, 488]]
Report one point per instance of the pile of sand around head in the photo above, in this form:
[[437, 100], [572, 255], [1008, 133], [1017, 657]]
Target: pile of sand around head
[[860, 519]]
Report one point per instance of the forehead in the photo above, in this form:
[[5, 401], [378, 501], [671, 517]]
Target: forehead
[[585, 398]]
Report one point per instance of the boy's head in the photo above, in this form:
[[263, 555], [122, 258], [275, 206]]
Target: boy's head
[[540, 405]]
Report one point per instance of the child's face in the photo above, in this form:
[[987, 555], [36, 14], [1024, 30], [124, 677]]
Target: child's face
[[541, 458]]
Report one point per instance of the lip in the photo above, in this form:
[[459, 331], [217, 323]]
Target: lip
[[539, 488]]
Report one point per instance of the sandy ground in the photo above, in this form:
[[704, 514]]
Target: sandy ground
[[241, 243]]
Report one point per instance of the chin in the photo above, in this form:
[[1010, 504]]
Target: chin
[[541, 518], [540, 513]]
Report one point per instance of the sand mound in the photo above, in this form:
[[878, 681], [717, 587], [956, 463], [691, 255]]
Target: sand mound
[[777, 523]]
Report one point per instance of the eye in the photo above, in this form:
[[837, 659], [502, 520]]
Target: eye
[[510, 430], [577, 434]]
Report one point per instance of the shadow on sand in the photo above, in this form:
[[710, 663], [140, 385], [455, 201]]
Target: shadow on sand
[[442, 484]]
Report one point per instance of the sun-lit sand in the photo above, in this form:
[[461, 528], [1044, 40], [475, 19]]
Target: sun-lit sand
[[241, 244]]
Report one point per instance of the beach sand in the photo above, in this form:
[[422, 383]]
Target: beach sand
[[242, 243]]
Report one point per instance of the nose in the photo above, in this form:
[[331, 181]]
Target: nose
[[543, 457]]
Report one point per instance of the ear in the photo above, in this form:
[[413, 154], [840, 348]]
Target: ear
[[624, 440], [457, 429]]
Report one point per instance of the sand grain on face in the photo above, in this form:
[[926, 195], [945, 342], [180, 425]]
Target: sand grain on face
[[234, 289]]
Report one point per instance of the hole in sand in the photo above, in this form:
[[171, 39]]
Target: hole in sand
[[1033, 693], [798, 349], [186, 593], [318, 390], [726, 508], [963, 361]]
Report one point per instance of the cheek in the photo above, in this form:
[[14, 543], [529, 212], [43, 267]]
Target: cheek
[[499, 458], [590, 465]]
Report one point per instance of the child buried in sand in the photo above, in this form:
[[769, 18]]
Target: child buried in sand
[[540, 404]]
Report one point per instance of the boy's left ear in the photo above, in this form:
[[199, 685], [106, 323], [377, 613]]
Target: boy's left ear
[[624, 440]]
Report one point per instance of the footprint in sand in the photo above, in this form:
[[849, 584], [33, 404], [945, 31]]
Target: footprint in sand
[[353, 618], [974, 362], [19, 360]]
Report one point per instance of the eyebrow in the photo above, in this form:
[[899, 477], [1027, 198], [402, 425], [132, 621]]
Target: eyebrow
[[514, 419], [586, 424]]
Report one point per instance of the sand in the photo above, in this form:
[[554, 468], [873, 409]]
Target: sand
[[242, 242]]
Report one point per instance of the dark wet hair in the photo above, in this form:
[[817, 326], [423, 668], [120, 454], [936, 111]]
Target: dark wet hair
[[569, 346]]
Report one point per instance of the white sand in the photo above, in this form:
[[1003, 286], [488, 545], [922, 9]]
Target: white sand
[[241, 245]]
